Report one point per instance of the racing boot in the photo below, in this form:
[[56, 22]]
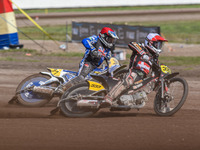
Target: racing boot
[[119, 88], [115, 91]]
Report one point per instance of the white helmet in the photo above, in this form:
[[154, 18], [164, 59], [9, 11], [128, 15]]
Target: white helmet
[[154, 42]]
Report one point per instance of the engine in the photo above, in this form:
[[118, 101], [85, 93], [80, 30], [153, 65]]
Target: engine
[[135, 99]]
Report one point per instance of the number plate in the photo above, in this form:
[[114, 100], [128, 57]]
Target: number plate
[[56, 72], [165, 69], [94, 86]]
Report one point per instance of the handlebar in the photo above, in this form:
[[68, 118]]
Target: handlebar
[[106, 59]]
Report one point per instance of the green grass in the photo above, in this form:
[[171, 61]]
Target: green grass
[[108, 8], [167, 60], [180, 61], [16, 56], [36, 53], [175, 61], [70, 54], [57, 32], [174, 31], [177, 31], [17, 60], [18, 50]]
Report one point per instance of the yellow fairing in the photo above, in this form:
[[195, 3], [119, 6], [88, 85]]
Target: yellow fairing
[[55, 72], [165, 69], [94, 86], [113, 61]]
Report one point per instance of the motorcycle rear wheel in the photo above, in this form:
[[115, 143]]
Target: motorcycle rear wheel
[[69, 106], [178, 91], [29, 98]]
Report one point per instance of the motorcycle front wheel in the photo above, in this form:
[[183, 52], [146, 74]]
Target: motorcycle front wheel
[[174, 98], [68, 105], [29, 98]]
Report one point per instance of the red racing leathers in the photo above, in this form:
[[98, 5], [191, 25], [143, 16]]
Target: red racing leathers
[[139, 67], [141, 59]]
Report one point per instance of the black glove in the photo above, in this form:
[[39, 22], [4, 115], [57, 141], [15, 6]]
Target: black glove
[[96, 54]]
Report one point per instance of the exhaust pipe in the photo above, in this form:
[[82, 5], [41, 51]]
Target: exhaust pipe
[[88, 103], [43, 90]]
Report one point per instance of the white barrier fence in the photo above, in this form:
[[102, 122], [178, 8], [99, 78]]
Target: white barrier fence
[[39, 4]]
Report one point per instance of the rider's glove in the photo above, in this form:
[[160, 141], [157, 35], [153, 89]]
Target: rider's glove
[[96, 53]]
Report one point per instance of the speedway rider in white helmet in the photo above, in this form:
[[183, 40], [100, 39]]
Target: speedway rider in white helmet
[[141, 61], [154, 42]]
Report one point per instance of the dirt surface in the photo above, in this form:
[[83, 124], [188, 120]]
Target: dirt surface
[[33, 128], [23, 128]]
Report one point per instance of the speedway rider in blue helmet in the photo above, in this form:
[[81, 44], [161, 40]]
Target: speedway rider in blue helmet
[[97, 48]]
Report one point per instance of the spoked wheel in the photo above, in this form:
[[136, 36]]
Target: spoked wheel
[[29, 98], [68, 102], [174, 98]]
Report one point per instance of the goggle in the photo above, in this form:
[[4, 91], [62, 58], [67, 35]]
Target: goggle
[[158, 44], [113, 34], [111, 40]]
